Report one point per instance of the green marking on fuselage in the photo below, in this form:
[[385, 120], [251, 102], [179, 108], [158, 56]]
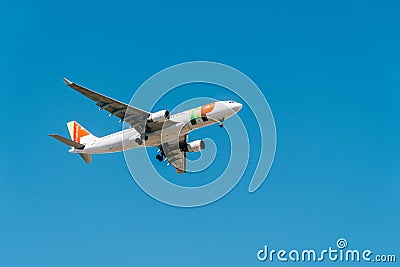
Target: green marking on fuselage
[[194, 116]]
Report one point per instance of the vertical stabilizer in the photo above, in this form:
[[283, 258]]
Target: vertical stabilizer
[[78, 133]]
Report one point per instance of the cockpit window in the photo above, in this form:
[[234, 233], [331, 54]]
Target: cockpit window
[[231, 102]]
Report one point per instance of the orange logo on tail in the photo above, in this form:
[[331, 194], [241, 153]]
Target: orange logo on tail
[[79, 132]]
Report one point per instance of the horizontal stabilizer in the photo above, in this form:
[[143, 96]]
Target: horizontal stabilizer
[[67, 141], [86, 157]]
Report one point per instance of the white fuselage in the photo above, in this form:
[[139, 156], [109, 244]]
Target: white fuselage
[[184, 122]]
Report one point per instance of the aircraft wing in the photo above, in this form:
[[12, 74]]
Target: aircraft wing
[[136, 117], [175, 155]]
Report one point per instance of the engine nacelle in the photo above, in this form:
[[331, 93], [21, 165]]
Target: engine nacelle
[[159, 116], [195, 146]]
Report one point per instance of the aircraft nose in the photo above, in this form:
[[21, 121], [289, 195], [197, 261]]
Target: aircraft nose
[[237, 107]]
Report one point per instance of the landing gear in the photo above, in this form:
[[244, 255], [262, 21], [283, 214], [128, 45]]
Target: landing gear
[[160, 156], [221, 122], [143, 136]]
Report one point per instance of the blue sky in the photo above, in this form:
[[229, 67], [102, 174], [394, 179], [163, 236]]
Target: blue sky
[[330, 72]]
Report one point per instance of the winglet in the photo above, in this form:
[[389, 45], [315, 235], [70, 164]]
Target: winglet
[[67, 82]]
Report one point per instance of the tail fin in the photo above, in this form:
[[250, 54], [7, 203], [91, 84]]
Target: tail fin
[[80, 136], [78, 133]]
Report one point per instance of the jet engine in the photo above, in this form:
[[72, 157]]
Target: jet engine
[[159, 116], [195, 146]]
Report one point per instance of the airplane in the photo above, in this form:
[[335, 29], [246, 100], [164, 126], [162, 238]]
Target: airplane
[[168, 132]]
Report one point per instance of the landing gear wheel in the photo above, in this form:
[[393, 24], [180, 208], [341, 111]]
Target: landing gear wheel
[[221, 122], [139, 141], [159, 157]]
